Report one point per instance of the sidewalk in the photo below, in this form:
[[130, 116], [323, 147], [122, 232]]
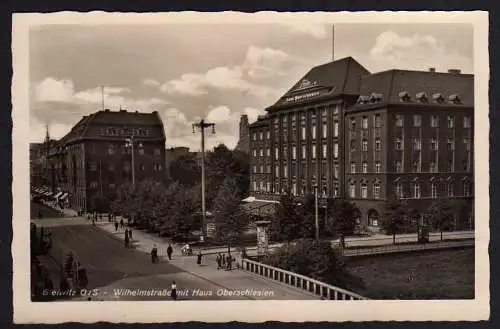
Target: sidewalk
[[230, 280]]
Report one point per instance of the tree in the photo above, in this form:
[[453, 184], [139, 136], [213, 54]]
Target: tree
[[440, 214], [396, 213], [185, 170], [186, 203], [230, 220], [315, 259], [341, 218], [305, 217]]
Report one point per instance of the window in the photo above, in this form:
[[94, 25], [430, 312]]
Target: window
[[451, 165], [364, 191], [378, 144], [294, 117], [451, 121], [434, 144], [313, 131], [294, 152], [254, 152], [325, 130], [303, 133], [467, 122], [335, 150], [294, 189], [433, 191], [268, 187], [254, 136], [450, 189], [416, 190], [352, 190], [277, 171], [417, 121], [376, 191], [304, 153], [432, 167], [93, 184], [111, 149], [261, 135], [269, 168], [398, 166], [353, 145], [364, 145], [376, 120], [325, 151], [313, 150], [285, 171], [450, 145], [261, 152], [466, 189], [276, 153], [417, 144], [268, 152], [336, 170], [434, 121], [364, 167], [268, 135], [262, 168], [284, 152], [416, 165], [335, 129], [398, 144], [254, 185], [467, 144], [353, 124], [353, 168], [377, 167], [399, 190], [93, 166], [364, 123], [399, 120], [335, 190]]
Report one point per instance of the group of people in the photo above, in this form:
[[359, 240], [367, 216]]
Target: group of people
[[154, 253], [225, 261]]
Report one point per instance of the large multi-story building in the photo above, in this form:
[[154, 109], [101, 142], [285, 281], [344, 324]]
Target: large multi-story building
[[94, 158], [368, 138]]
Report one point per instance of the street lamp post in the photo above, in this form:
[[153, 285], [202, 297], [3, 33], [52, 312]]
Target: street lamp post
[[130, 142], [202, 125], [316, 215]]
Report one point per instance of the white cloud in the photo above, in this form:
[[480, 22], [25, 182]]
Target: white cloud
[[317, 31], [417, 52], [253, 113], [265, 62], [52, 90], [151, 83]]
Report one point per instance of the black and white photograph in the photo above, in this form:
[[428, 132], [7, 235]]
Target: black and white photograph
[[337, 161]]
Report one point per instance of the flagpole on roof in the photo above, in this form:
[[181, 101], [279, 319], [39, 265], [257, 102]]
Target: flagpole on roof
[[102, 96], [333, 42]]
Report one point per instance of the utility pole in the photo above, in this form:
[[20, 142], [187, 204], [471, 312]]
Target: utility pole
[[202, 125], [316, 215], [102, 97], [130, 142]]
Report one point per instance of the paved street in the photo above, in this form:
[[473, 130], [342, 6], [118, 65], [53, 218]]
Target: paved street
[[115, 269]]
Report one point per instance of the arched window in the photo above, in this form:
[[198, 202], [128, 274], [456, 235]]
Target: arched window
[[376, 190], [364, 191], [416, 190], [433, 189], [373, 217]]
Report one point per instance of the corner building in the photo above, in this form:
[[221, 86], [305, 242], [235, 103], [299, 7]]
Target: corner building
[[92, 160], [368, 138]]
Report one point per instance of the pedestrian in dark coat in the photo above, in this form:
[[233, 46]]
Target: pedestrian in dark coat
[[199, 258], [223, 260], [173, 293], [170, 250], [219, 261], [121, 223], [229, 261], [116, 226]]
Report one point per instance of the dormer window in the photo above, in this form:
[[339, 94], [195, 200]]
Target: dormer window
[[404, 96], [438, 98], [454, 99], [363, 99], [422, 97], [375, 97]]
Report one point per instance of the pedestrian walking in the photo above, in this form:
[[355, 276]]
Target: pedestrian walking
[[130, 234], [219, 261], [199, 258], [169, 251], [173, 292], [229, 262], [116, 226], [126, 240], [223, 260], [121, 223]]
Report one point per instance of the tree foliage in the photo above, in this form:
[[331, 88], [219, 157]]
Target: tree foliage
[[441, 215], [395, 217], [315, 259], [341, 219], [186, 170]]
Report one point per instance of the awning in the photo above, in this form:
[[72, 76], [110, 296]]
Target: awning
[[58, 195], [64, 196]]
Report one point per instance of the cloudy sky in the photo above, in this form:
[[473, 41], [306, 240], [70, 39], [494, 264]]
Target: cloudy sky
[[214, 71]]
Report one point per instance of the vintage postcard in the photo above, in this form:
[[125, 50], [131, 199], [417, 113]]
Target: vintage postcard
[[228, 166]]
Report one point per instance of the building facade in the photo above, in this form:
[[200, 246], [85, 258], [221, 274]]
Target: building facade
[[94, 158], [368, 138], [244, 135]]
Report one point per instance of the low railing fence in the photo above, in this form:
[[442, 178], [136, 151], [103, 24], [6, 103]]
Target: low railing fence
[[303, 282]]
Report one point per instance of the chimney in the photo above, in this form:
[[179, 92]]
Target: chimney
[[454, 71], [432, 69]]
